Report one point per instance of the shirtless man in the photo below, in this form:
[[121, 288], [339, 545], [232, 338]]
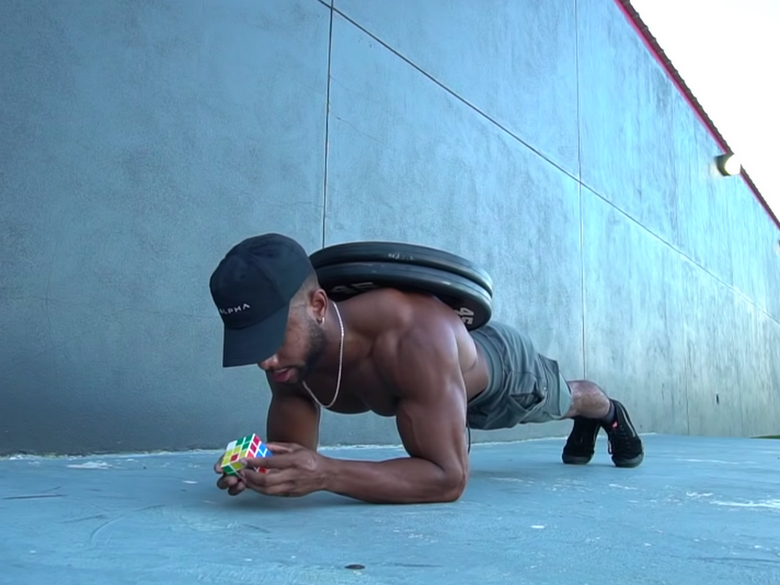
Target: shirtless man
[[395, 354]]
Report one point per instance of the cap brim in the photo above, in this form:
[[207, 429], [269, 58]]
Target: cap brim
[[252, 345]]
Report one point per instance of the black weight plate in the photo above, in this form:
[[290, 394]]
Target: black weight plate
[[403, 253], [472, 303]]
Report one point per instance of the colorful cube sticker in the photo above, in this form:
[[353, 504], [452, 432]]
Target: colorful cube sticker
[[249, 446]]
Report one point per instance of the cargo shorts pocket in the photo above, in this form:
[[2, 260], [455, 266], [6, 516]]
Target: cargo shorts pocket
[[527, 392]]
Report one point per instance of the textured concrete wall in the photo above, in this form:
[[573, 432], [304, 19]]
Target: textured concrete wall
[[141, 140]]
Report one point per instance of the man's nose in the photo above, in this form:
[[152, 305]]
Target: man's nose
[[270, 363]]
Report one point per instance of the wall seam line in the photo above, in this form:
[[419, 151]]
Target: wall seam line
[[327, 133], [681, 253], [455, 95]]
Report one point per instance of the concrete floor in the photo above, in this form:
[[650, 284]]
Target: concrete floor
[[700, 510]]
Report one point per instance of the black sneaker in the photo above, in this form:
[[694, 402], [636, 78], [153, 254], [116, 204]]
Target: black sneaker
[[625, 446], [581, 443]]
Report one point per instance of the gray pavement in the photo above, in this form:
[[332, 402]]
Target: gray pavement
[[699, 510]]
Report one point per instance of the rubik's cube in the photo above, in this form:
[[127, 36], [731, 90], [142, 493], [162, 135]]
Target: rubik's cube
[[249, 446]]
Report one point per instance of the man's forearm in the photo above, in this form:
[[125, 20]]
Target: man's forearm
[[396, 481]]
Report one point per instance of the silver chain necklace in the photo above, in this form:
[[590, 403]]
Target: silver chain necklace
[[341, 361]]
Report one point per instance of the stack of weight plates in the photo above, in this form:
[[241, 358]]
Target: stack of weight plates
[[345, 270]]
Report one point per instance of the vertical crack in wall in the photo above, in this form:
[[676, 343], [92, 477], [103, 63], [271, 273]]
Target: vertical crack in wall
[[582, 285], [327, 124], [579, 183], [686, 381]]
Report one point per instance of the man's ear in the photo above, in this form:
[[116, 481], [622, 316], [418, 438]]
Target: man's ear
[[318, 304]]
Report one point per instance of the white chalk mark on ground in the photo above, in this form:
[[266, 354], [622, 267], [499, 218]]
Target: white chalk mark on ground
[[770, 504], [716, 461], [91, 465], [537, 526], [189, 481], [698, 495], [512, 479]]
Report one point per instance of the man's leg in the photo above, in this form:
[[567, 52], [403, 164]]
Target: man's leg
[[527, 387], [593, 410]]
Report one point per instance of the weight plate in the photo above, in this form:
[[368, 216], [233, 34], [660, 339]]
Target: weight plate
[[405, 254], [470, 301]]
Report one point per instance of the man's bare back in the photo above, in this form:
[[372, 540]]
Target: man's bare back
[[396, 354]]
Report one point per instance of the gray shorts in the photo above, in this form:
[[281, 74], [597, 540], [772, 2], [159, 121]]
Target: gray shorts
[[524, 386]]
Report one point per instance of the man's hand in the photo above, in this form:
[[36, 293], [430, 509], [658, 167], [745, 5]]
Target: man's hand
[[292, 470], [234, 485]]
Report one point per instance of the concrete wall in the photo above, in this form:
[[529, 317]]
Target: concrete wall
[[142, 139]]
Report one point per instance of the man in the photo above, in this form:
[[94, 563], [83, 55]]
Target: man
[[396, 354]]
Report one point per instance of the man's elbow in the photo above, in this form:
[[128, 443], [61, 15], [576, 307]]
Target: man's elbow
[[453, 485]]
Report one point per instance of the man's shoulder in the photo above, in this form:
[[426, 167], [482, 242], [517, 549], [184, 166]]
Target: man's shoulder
[[406, 327], [392, 312]]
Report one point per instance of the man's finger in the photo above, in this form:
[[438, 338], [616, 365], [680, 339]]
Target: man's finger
[[282, 489], [259, 481], [258, 476], [273, 462], [237, 488], [269, 484], [282, 447], [233, 484], [227, 481]]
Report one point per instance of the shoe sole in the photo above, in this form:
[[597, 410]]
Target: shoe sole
[[575, 460], [634, 462], [581, 459]]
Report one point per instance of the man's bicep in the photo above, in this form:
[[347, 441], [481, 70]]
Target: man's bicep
[[434, 429], [292, 418], [431, 416]]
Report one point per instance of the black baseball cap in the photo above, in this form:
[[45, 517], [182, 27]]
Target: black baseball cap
[[252, 288]]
